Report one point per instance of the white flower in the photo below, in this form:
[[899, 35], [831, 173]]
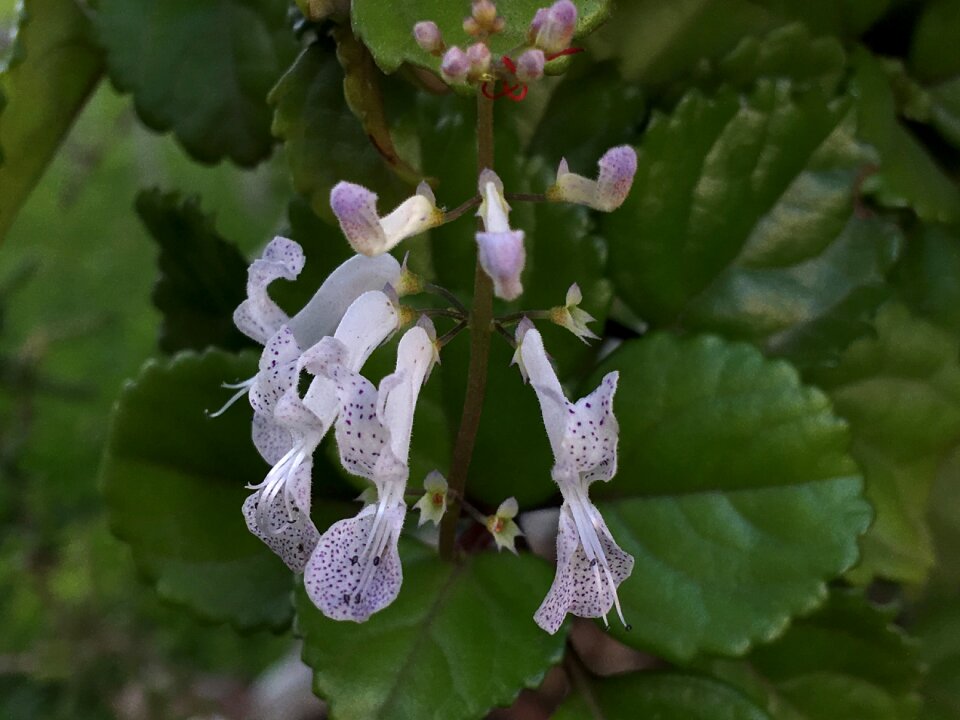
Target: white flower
[[433, 504], [617, 168], [571, 317], [503, 527], [500, 248], [583, 435], [356, 208], [279, 511], [355, 569]]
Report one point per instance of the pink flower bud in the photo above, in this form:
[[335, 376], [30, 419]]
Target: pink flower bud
[[530, 65], [538, 20], [617, 168], [428, 36], [455, 65], [479, 56], [502, 257], [557, 26]]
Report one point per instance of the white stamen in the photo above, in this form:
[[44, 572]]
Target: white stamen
[[242, 389]]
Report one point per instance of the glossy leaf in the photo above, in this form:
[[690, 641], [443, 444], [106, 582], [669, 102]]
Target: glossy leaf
[[324, 140], [459, 640], [389, 35], [52, 68], [847, 661], [665, 696], [928, 276], [900, 391], [933, 53], [202, 70], [938, 628], [203, 278], [734, 494], [793, 254], [174, 479]]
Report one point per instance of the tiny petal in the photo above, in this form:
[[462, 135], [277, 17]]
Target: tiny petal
[[428, 37], [574, 296], [455, 65], [530, 65], [508, 508], [523, 326], [617, 168], [356, 209], [539, 18], [556, 28], [433, 504], [502, 526], [571, 317]]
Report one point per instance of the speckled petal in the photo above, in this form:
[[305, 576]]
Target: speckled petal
[[271, 439], [590, 442], [355, 569], [258, 317], [278, 371], [291, 535]]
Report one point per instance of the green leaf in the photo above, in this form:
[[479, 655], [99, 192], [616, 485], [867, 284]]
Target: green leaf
[[944, 525], [202, 70], [794, 253], [734, 494], [51, 71], [459, 640], [325, 143], [664, 696], [908, 176], [900, 391], [202, 276], [928, 276], [938, 628], [933, 52], [389, 35], [846, 18], [174, 479], [847, 661], [565, 130]]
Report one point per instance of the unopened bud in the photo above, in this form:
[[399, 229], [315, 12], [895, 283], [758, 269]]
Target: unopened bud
[[479, 56], [503, 527], [556, 27], [502, 257], [428, 37], [484, 11], [455, 65], [538, 20], [530, 65]]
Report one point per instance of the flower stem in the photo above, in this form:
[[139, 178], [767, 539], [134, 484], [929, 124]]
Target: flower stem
[[481, 315]]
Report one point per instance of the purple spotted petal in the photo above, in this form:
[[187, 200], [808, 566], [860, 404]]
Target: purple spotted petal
[[590, 442], [356, 209], [617, 168], [355, 569], [284, 525], [259, 317], [271, 439], [581, 587], [278, 371]]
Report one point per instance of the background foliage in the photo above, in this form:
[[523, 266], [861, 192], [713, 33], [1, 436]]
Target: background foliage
[[782, 287]]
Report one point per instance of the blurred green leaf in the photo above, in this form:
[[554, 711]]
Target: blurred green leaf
[[53, 67], [458, 641], [389, 34], [734, 494], [173, 480], [847, 661], [928, 276], [566, 131], [938, 628], [794, 251], [908, 176], [846, 18], [933, 50], [324, 140], [202, 276], [202, 70], [664, 696], [900, 391]]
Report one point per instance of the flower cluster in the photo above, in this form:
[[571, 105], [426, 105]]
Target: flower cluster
[[352, 569]]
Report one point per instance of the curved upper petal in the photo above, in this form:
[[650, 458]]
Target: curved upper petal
[[259, 317]]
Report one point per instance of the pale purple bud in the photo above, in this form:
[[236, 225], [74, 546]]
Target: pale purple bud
[[556, 29], [530, 65], [502, 257], [479, 56], [455, 65], [538, 20], [484, 12], [617, 168], [428, 37]]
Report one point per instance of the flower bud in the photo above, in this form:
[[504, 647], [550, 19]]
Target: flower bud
[[455, 65], [530, 65], [556, 26], [503, 527], [433, 504], [479, 56], [428, 37], [502, 257], [538, 20]]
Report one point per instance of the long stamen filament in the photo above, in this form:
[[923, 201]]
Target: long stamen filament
[[242, 389]]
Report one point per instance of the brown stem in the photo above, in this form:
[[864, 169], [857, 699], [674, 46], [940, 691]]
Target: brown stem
[[461, 209], [526, 197], [481, 316]]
